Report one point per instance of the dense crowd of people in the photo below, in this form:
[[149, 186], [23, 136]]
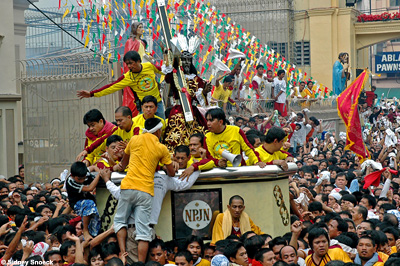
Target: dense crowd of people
[[335, 218]]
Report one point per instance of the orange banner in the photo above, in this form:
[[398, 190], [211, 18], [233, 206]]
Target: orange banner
[[347, 104]]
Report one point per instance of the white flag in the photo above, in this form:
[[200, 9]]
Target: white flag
[[235, 54]]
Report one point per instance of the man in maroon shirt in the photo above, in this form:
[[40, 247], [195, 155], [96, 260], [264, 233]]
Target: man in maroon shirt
[[371, 96]]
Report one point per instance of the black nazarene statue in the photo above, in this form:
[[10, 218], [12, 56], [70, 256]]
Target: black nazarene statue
[[178, 130]]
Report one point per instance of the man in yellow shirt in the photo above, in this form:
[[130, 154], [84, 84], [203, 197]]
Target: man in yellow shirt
[[123, 117], [97, 133], [111, 156], [158, 252], [222, 92], [319, 243], [271, 151], [195, 246], [196, 160], [143, 153], [222, 136], [234, 221], [140, 78], [149, 109]]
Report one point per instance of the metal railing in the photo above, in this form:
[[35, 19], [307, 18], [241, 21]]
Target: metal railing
[[266, 106]]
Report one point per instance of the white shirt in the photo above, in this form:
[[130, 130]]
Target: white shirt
[[162, 183], [263, 86], [236, 84], [279, 85], [201, 100], [301, 134]]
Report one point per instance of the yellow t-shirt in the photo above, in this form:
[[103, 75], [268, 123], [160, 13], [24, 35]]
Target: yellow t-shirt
[[95, 155], [267, 157], [220, 94], [384, 257], [203, 166], [143, 83], [145, 151], [306, 94], [333, 254], [138, 124], [203, 262], [393, 249], [232, 139], [125, 135]]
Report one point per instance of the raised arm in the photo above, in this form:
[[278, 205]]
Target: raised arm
[[100, 238], [221, 77], [93, 184], [238, 64], [12, 248], [119, 84]]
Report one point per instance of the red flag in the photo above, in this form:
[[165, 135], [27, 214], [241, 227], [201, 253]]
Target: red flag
[[375, 177], [347, 104], [129, 100]]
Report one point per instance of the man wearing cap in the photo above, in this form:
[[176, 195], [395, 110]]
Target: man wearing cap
[[137, 187], [334, 197], [55, 182]]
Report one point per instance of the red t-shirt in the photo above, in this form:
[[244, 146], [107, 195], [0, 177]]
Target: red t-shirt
[[370, 97], [293, 126]]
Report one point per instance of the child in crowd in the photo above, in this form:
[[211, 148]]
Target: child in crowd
[[296, 137], [79, 185]]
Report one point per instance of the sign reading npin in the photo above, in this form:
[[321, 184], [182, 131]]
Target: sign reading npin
[[388, 62], [197, 214], [179, 77]]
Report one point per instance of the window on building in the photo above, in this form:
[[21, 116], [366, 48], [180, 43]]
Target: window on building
[[302, 53], [394, 2], [379, 48], [279, 48]]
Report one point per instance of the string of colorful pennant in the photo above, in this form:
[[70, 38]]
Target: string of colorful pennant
[[105, 27]]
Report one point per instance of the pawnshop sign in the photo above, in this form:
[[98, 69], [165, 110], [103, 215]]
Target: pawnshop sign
[[387, 62]]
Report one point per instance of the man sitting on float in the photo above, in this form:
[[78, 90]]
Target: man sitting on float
[[197, 159], [234, 221], [225, 137], [149, 109], [271, 151]]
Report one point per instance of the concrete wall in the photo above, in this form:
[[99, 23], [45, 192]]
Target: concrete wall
[[8, 92], [12, 48]]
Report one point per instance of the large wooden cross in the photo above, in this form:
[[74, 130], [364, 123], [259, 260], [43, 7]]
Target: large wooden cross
[[179, 77]]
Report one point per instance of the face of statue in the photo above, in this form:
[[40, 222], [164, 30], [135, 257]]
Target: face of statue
[[186, 62], [345, 58]]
